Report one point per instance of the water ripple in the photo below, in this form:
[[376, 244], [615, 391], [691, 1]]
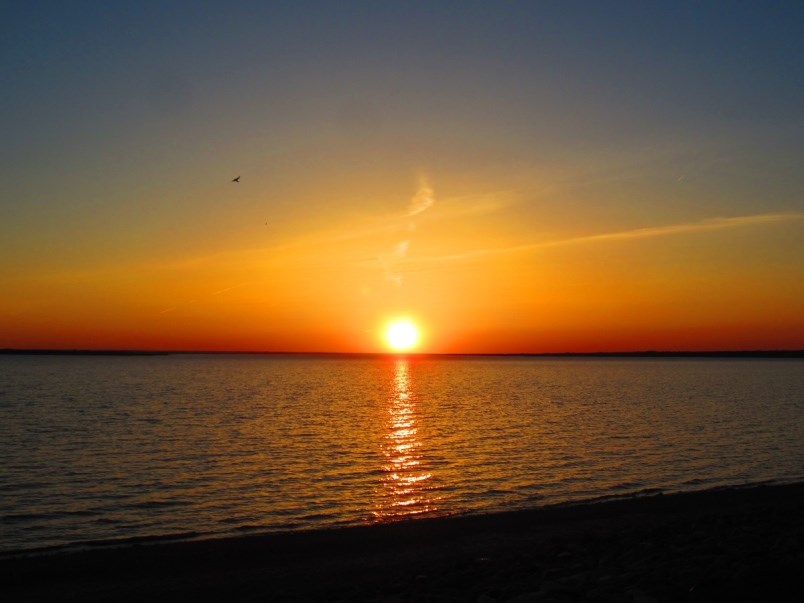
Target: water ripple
[[108, 449]]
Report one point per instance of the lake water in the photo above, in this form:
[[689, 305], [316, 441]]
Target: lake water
[[103, 448]]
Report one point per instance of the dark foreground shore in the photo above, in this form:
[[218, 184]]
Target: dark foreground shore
[[729, 545]]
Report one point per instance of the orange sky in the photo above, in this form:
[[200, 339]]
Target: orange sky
[[462, 267], [508, 187]]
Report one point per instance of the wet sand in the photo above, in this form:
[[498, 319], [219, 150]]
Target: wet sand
[[728, 545]]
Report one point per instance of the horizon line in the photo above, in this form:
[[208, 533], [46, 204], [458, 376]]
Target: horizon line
[[778, 352]]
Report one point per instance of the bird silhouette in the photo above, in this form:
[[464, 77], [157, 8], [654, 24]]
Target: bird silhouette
[[236, 179]]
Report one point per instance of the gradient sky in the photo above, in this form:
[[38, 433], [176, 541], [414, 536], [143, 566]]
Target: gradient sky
[[515, 177]]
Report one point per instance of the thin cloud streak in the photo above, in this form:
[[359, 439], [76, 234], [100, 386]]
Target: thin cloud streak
[[423, 200], [392, 223], [229, 288], [710, 224], [703, 225]]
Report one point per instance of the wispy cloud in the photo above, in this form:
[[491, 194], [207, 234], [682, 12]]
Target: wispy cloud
[[383, 241], [219, 292], [423, 200], [389, 274], [673, 229], [711, 224], [389, 263], [392, 224]]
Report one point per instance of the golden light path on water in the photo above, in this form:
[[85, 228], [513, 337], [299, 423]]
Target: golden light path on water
[[102, 449], [405, 483]]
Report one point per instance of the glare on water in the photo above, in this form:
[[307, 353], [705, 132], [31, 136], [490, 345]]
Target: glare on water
[[405, 482], [105, 448]]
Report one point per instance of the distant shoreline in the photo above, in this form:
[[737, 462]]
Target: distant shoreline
[[636, 354]]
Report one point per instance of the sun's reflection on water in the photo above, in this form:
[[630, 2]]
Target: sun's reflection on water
[[405, 483]]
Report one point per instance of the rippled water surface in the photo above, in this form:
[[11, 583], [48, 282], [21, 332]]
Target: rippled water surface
[[97, 448]]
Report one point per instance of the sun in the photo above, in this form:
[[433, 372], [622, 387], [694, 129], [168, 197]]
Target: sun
[[401, 335]]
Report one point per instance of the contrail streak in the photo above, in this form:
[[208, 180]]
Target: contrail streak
[[710, 224]]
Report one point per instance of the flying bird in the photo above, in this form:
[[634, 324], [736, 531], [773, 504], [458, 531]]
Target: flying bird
[[236, 179]]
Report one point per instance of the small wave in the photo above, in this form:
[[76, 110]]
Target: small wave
[[638, 486], [31, 517], [248, 528], [20, 517], [231, 520], [144, 539], [697, 481], [532, 497], [157, 504], [315, 517], [612, 497], [497, 492], [15, 487]]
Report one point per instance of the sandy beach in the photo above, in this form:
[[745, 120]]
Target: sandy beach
[[737, 544]]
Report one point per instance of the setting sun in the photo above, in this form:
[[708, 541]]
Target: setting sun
[[401, 335]]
